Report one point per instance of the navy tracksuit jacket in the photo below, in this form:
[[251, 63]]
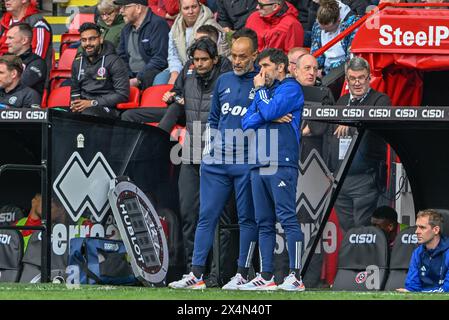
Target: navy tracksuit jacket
[[274, 191], [224, 167]]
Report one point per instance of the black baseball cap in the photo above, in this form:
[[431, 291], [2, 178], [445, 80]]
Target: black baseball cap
[[125, 2]]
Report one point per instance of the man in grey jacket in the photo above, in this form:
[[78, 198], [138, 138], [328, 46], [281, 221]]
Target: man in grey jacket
[[99, 78]]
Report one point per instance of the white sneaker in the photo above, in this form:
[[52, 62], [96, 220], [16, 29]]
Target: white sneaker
[[259, 284], [188, 281], [291, 283], [235, 282]]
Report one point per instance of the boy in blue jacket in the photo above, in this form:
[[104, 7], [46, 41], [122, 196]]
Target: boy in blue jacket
[[429, 265], [275, 114], [225, 167]]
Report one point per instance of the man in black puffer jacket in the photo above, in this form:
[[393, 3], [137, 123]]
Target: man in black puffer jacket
[[99, 77]]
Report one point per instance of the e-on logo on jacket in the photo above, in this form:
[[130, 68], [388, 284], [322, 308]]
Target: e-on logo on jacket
[[235, 110]]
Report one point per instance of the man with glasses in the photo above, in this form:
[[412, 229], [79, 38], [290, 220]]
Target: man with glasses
[[276, 25], [143, 42], [98, 80], [110, 21], [363, 185]]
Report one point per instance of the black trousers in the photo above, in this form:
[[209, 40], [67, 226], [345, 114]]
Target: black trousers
[[143, 115], [189, 202], [104, 112], [167, 117]]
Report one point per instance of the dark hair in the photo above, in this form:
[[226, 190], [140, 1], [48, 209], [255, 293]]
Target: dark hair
[[24, 28], [357, 64], [276, 56], [247, 33], [210, 30], [12, 62], [386, 212], [204, 44], [328, 12], [89, 26]]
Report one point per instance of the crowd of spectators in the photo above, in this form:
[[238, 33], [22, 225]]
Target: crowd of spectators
[[187, 43]]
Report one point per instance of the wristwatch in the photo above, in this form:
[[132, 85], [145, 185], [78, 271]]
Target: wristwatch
[[94, 103]]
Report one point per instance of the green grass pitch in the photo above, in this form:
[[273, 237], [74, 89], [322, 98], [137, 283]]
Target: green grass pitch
[[85, 292]]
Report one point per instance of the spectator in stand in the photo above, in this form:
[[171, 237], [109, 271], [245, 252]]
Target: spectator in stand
[[276, 25], [32, 220], [110, 21], [293, 56], [12, 92], [232, 15], [175, 97], [26, 11], [429, 265], [99, 82], [19, 43], [143, 42], [172, 6], [192, 15], [333, 17]]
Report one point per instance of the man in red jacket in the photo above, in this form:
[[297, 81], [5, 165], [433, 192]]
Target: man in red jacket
[[276, 25], [26, 11]]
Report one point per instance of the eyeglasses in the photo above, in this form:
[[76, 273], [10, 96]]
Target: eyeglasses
[[128, 5], [107, 14], [360, 79], [90, 39], [262, 5]]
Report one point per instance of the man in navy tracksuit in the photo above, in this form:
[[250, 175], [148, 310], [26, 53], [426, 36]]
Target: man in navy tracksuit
[[429, 265], [276, 115], [225, 167]]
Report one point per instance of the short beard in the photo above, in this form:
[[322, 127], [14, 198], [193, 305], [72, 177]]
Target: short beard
[[245, 70]]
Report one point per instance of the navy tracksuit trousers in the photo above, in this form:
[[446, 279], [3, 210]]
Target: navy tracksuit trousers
[[216, 184], [275, 197]]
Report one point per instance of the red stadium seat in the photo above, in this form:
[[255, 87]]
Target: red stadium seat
[[67, 39], [59, 97], [66, 59], [53, 58], [152, 96], [57, 77], [79, 19], [133, 102], [44, 99]]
